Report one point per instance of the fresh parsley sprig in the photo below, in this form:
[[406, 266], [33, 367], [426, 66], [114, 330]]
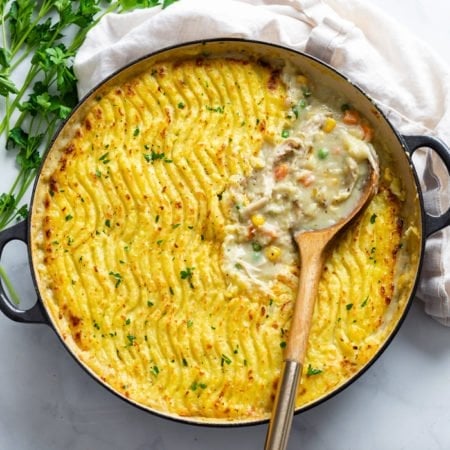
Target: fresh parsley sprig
[[41, 39]]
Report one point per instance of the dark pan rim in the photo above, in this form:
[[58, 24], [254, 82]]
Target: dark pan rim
[[222, 423]]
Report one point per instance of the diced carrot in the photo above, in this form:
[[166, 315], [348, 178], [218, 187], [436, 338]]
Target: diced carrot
[[280, 171], [306, 179], [367, 130], [351, 117]]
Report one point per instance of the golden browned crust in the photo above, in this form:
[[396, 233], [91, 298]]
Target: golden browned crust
[[127, 235]]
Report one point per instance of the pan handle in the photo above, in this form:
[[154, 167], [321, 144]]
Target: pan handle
[[432, 223], [35, 314]]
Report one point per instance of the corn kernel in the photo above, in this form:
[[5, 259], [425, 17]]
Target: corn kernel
[[258, 220], [329, 125], [301, 79], [273, 253]]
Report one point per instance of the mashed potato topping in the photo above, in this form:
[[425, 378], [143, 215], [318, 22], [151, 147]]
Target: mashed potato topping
[[162, 264]]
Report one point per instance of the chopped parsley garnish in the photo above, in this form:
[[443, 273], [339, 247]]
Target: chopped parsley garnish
[[181, 105], [108, 223], [104, 158], [187, 273], [117, 277], [131, 340], [285, 134], [364, 303], [68, 217], [155, 370], [312, 371], [225, 359], [349, 306], [154, 156], [136, 131], [196, 385], [217, 109], [373, 217], [283, 344]]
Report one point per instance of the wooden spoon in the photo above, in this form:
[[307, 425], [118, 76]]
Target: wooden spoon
[[311, 245]]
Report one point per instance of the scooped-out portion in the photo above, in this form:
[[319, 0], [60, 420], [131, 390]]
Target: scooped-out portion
[[310, 180], [160, 234]]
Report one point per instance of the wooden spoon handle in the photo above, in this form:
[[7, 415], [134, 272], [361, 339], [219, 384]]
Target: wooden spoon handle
[[311, 247], [311, 254]]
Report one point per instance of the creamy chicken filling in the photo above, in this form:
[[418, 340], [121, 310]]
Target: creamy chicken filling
[[310, 181]]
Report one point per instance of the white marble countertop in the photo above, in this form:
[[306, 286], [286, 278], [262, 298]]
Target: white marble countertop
[[47, 402]]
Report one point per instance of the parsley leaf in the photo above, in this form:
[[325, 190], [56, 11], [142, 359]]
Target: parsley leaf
[[7, 86], [5, 57], [225, 359], [312, 371], [19, 18], [187, 275], [131, 340], [117, 277], [155, 156]]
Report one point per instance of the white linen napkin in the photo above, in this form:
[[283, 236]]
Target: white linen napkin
[[401, 73]]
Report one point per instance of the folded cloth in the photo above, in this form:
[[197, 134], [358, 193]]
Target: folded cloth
[[402, 74]]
